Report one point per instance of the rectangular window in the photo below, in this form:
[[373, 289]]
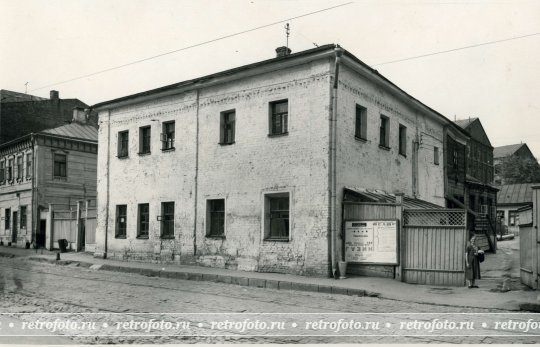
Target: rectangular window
[[121, 221], [167, 137], [215, 217], [279, 114], [23, 217], [167, 220], [277, 216], [403, 140], [123, 144], [10, 170], [7, 219], [143, 221], [144, 139], [227, 127], [513, 218], [361, 123], [20, 167], [60, 165], [384, 132], [436, 155], [2, 172], [29, 165]]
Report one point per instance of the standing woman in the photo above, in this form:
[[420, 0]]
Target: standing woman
[[472, 264]]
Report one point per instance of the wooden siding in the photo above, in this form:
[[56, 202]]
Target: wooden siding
[[526, 243]]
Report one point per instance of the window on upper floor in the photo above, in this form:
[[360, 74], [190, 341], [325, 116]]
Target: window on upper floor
[[23, 217], [2, 172], [123, 144], [20, 167], [121, 221], [60, 165], [167, 137], [403, 140], [9, 170], [436, 155], [360, 129], [215, 214], [143, 221], [29, 165], [144, 139], [277, 211], [384, 132], [279, 117], [167, 220], [227, 127]]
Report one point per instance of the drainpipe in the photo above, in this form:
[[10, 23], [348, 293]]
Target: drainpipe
[[196, 179], [333, 152], [105, 247], [34, 202]]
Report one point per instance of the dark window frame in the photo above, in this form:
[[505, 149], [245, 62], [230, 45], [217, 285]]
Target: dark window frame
[[9, 169], [278, 121], [123, 144], [23, 217], [168, 136], [2, 172], [402, 137], [120, 231], [167, 220], [384, 132], [29, 159], [360, 125], [227, 133], [20, 167], [277, 217], [145, 139], [215, 217], [143, 225], [7, 219], [60, 167]]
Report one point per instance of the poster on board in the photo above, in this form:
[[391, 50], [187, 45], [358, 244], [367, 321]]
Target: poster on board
[[371, 242]]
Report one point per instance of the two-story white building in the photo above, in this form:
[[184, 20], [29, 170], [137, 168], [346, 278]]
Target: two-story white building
[[246, 168]]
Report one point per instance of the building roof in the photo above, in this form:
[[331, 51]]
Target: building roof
[[515, 194], [11, 96], [197, 82], [464, 123], [379, 196], [505, 151], [74, 130]]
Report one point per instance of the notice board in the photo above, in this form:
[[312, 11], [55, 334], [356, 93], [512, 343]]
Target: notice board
[[371, 242]]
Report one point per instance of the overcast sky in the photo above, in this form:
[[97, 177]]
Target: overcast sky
[[44, 42]]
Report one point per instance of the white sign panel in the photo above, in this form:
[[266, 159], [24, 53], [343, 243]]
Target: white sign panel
[[372, 242]]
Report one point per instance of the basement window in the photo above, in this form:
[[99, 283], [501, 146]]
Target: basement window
[[276, 207]]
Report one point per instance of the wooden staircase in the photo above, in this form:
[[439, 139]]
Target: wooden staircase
[[485, 234]]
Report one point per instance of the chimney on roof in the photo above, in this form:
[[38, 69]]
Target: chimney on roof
[[54, 95], [80, 115], [283, 51]]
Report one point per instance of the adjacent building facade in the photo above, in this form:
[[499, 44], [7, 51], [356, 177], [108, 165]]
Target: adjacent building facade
[[246, 169], [53, 166], [521, 165]]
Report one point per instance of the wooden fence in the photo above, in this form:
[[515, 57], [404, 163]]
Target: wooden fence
[[433, 246], [76, 224]]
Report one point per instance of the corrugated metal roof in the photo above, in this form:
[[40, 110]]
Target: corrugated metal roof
[[380, 196], [515, 193], [464, 123], [75, 130], [505, 151]]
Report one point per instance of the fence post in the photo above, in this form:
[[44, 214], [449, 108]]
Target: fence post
[[400, 245]]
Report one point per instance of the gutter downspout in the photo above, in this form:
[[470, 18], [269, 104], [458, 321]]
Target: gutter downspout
[[34, 202], [196, 177], [105, 249], [333, 153]]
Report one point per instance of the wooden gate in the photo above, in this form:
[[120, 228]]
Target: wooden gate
[[433, 246], [529, 242]]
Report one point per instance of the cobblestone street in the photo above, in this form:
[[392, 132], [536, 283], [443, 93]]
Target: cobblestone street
[[38, 288]]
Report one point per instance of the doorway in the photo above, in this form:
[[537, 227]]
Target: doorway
[[14, 228], [40, 237]]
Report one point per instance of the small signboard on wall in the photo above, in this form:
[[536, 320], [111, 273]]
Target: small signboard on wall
[[371, 242]]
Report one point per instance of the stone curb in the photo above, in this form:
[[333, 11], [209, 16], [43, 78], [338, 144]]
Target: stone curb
[[229, 279]]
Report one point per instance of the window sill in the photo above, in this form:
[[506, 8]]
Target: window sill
[[276, 240], [226, 143], [403, 155], [384, 147], [60, 178], [167, 237], [120, 237], [278, 135], [360, 139], [142, 237], [217, 237], [142, 154], [122, 156], [168, 149]]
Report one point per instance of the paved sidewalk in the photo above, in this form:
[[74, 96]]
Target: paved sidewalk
[[486, 296]]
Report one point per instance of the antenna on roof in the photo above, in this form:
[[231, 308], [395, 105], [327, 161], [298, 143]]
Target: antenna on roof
[[287, 31], [26, 88]]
